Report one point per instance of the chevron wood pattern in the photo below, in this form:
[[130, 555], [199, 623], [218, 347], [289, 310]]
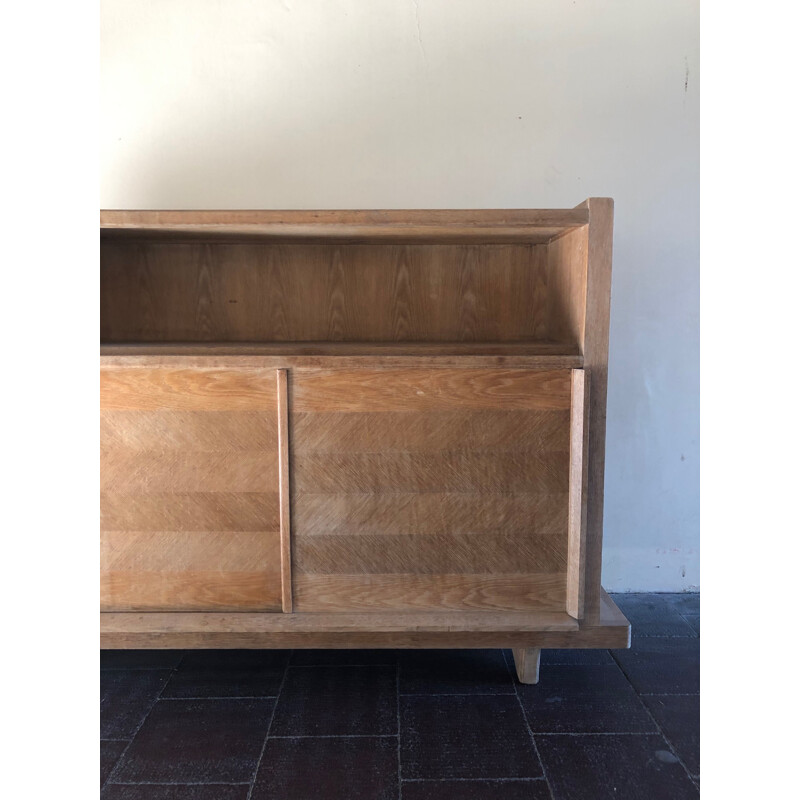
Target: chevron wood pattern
[[430, 489], [189, 490]]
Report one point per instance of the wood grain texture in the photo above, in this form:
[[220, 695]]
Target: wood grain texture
[[518, 225], [578, 478], [430, 489], [530, 353], [186, 389], [445, 629], [434, 438], [390, 431], [430, 390], [598, 307], [429, 553], [189, 497], [430, 513], [423, 592], [283, 469], [567, 270], [267, 293], [205, 569], [468, 471], [526, 662], [251, 357]]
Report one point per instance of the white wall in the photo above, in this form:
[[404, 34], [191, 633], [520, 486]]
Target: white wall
[[461, 104]]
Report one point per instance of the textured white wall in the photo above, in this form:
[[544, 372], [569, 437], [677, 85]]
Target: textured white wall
[[468, 104]]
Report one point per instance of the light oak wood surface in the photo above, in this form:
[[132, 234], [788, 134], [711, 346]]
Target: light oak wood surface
[[283, 482], [526, 662], [389, 425], [370, 447], [595, 350], [378, 629], [189, 489], [496, 225], [578, 478]]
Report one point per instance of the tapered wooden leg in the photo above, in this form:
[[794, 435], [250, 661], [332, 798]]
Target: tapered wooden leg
[[526, 660]]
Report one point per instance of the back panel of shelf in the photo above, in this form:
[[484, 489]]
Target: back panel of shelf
[[382, 294]]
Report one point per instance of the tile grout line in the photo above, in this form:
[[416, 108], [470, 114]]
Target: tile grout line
[[339, 736], [527, 724], [220, 697], [269, 727], [139, 726], [179, 783], [659, 728], [597, 733], [540, 779], [321, 666], [457, 694]]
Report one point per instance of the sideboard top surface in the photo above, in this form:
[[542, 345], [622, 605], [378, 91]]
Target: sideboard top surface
[[530, 226]]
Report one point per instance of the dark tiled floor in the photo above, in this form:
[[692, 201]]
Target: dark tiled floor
[[410, 725]]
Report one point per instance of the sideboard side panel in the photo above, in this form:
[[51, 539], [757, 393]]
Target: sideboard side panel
[[595, 355]]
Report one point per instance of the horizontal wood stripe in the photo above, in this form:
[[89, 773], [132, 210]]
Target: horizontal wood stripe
[[189, 591], [429, 592], [521, 223], [173, 471], [431, 472], [452, 628], [544, 431], [428, 554], [190, 511], [337, 355], [170, 429], [221, 551], [433, 513], [429, 390], [347, 622], [187, 389]]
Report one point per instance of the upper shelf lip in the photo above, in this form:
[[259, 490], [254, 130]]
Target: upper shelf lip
[[468, 225]]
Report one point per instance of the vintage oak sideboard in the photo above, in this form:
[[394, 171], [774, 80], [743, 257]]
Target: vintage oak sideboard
[[355, 429]]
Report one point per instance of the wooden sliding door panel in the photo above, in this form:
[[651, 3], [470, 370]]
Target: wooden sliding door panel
[[190, 492], [430, 489]]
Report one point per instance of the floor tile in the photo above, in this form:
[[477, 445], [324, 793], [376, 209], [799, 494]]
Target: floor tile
[[228, 673], [476, 736], [679, 718], [336, 701], [328, 769], [613, 767], [454, 672], [140, 659], [684, 602], [476, 790], [584, 699], [125, 698], [652, 615], [144, 791], [344, 658], [197, 741], [577, 657], [109, 755], [662, 666], [694, 622]]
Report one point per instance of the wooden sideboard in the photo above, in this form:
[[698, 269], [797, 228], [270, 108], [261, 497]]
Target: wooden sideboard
[[355, 429]]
